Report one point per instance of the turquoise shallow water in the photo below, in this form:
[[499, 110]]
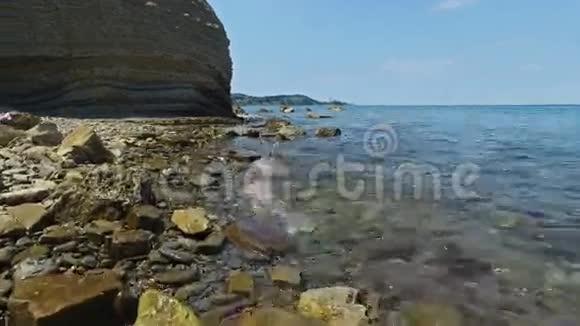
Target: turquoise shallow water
[[522, 162]]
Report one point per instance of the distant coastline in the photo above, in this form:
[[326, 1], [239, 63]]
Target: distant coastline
[[294, 99]]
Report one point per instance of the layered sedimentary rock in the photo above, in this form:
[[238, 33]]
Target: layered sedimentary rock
[[120, 57]]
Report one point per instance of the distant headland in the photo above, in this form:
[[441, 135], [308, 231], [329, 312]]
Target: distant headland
[[295, 99]]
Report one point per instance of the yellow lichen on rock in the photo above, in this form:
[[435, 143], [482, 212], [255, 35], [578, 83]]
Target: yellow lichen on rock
[[158, 309]]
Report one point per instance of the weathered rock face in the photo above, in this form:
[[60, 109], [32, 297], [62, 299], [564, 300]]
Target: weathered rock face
[[114, 57]]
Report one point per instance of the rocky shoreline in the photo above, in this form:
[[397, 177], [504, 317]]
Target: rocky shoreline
[[106, 221]]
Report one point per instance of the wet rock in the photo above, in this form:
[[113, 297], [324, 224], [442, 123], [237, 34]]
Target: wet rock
[[58, 234], [382, 249], [275, 316], [285, 275], [244, 156], [327, 132], [371, 300], [241, 283], [45, 134], [336, 306], [126, 244], [177, 277], [34, 267], [264, 110], [192, 221], [177, 256], [10, 227], [258, 237], [156, 308], [290, 132], [66, 299], [274, 124], [146, 217], [212, 244], [32, 216], [7, 134], [423, 314], [30, 195], [84, 146]]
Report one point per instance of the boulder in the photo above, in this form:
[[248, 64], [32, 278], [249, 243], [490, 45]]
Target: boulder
[[7, 134], [116, 58], [84, 146], [31, 216], [192, 221], [327, 132], [19, 120], [45, 134], [336, 305], [157, 309], [67, 299]]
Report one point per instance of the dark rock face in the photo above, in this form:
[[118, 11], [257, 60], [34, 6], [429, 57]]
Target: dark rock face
[[114, 58]]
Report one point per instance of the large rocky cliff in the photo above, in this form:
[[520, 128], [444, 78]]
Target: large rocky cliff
[[121, 57]]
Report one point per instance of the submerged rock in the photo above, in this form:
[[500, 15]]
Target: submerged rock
[[422, 314], [66, 299], [337, 306], [275, 316], [256, 236], [327, 132], [156, 309], [241, 283], [285, 275], [84, 146]]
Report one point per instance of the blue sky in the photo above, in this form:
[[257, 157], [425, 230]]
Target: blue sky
[[407, 51]]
